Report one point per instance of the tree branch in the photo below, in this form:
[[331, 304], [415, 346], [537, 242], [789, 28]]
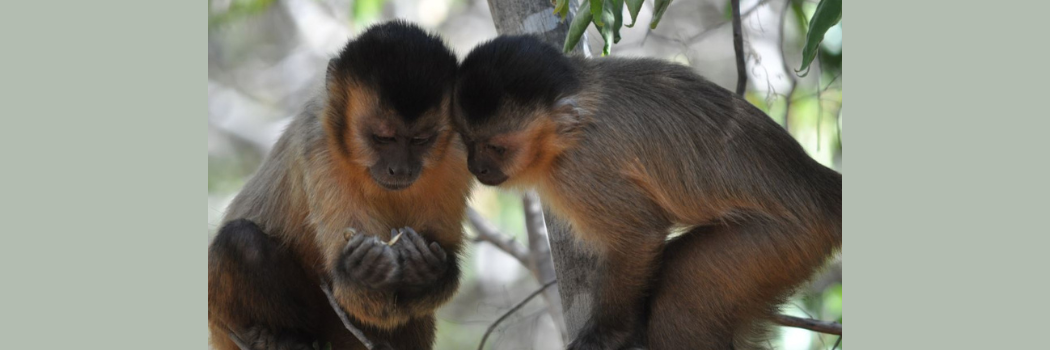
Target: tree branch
[[788, 72], [738, 47], [488, 233], [540, 261], [810, 324], [512, 311], [346, 319]]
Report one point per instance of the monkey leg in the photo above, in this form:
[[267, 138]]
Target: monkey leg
[[718, 285], [619, 297], [258, 290]]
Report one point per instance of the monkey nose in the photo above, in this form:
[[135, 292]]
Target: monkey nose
[[399, 171], [483, 171]]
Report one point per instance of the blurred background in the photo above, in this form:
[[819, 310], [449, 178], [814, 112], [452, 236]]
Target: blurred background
[[267, 57]]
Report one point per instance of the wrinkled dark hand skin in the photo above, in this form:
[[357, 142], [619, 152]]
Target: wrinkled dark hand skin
[[422, 264], [369, 263]]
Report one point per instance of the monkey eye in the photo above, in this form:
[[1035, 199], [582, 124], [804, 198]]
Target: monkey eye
[[421, 140], [497, 149], [382, 139]]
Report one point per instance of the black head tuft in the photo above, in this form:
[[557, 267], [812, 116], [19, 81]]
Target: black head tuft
[[520, 68], [411, 68]]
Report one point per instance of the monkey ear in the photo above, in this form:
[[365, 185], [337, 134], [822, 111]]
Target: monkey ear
[[568, 114]]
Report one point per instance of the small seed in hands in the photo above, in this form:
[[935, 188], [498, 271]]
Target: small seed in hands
[[394, 240]]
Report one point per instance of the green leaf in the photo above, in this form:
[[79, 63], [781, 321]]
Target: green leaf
[[617, 9], [562, 8], [577, 28], [829, 13], [659, 7], [728, 13], [607, 31], [328, 346], [596, 12], [634, 6]]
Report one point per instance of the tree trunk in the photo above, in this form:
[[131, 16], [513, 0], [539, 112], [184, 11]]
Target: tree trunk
[[572, 265]]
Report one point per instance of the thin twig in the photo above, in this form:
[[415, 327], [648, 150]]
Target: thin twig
[[787, 69], [488, 233], [837, 343], [810, 324], [512, 311], [237, 340], [346, 319], [738, 47]]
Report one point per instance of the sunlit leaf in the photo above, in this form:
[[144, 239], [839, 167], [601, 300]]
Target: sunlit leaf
[[576, 29], [608, 30], [633, 6], [659, 7], [829, 13], [596, 12], [562, 8]]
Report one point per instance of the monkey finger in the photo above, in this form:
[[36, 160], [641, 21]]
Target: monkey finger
[[436, 249], [358, 251], [383, 268], [409, 248], [354, 242], [421, 246], [375, 251]]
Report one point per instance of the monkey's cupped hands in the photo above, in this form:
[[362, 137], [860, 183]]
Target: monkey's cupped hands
[[407, 260], [422, 264], [370, 263]]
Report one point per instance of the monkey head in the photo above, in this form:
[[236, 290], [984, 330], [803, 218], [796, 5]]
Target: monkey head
[[389, 102], [516, 108]]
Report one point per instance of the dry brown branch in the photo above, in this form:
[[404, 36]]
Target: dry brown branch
[[738, 48], [487, 232], [810, 324]]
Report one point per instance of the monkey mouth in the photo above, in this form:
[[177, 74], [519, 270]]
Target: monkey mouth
[[394, 185], [492, 180]]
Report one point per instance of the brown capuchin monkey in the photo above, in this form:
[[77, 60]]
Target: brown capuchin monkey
[[627, 151], [375, 154]]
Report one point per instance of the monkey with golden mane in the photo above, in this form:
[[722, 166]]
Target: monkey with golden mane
[[627, 151], [373, 155]]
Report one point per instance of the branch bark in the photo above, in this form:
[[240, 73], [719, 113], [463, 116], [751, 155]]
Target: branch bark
[[738, 47], [540, 258], [810, 324], [487, 232]]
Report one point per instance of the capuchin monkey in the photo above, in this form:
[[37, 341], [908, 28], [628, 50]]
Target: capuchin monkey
[[373, 156], [629, 150]]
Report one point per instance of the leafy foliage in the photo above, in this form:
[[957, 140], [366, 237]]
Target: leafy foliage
[[829, 13], [607, 16]]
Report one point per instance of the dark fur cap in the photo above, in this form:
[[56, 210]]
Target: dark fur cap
[[520, 68], [411, 68]]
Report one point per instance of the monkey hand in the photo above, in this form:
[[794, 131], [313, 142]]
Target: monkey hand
[[422, 264], [368, 262]]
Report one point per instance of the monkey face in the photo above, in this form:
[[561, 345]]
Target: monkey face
[[510, 153], [399, 151], [485, 160]]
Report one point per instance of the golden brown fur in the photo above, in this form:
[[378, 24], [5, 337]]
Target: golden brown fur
[[314, 185], [645, 147]]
